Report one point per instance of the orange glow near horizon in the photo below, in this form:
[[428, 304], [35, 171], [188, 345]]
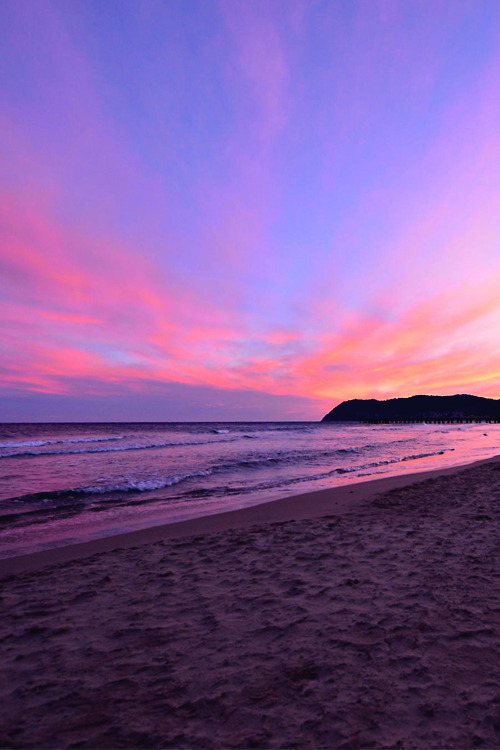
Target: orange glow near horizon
[[298, 211]]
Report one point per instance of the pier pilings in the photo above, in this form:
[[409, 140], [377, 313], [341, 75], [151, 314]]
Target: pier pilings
[[434, 420]]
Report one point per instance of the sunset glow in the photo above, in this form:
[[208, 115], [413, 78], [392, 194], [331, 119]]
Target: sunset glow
[[246, 210]]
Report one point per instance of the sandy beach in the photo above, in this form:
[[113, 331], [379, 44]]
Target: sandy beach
[[364, 616]]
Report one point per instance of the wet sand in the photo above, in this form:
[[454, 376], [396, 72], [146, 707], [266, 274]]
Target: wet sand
[[365, 616]]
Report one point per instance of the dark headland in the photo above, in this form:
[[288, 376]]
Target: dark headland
[[461, 407]]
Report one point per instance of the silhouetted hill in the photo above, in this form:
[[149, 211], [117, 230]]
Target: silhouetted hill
[[419, 408]]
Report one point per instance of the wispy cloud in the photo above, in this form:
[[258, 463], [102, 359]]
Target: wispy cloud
[[292, 200]]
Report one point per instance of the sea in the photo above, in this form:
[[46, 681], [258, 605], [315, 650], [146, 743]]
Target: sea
[[67, 483]]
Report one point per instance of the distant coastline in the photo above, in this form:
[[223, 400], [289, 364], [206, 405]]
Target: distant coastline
[[458, 408]]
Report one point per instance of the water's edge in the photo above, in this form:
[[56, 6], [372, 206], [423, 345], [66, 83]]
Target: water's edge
[[334, 501]]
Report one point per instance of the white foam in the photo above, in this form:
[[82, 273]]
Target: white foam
[[38, 443], [142, 485], [109, 449]]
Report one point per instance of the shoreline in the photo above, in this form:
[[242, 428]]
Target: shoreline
[[310, 505], [362, 617]]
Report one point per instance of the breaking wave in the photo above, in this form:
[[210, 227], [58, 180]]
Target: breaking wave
[[39, 443], [105, 449], [139, 485], [127, 485]]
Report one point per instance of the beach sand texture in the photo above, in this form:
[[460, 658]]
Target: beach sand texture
[[374, 628]]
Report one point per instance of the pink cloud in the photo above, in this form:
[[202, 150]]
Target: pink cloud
[[435, 345], [91, 300], [74, 320]]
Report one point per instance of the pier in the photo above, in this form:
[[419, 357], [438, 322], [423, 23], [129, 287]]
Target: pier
[[431, 420]]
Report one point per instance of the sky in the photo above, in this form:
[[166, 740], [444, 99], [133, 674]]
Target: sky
[[246, 209]]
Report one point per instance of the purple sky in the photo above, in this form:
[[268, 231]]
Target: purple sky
[[246, 210]]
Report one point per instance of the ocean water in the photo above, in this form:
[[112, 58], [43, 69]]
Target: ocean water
[[65, 483]]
